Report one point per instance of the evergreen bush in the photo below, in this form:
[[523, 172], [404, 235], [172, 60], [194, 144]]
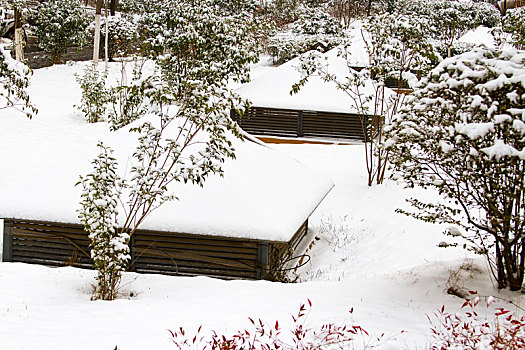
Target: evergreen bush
[[59, 24], [95, 95]]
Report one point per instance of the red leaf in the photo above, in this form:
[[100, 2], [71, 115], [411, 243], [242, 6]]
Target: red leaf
[[309, 303]]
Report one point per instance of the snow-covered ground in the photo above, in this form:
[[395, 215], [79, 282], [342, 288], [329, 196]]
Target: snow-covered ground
[[384, 265]]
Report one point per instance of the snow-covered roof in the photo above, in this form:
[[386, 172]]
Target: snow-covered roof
[[479, 36], [272, 90], [264, 194]]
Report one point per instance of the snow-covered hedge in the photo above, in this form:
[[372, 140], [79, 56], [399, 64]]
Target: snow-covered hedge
[[285, 46]]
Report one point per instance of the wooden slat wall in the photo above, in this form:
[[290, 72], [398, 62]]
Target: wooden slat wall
[[183, 254], [297, 123], [57, 244], [333, 125], [266, 121]]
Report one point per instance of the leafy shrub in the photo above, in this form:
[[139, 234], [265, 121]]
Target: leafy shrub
[[95, 95], [448, 20], [59, 24], [198, 39], [314, 29], [99, 213], [283, 12]]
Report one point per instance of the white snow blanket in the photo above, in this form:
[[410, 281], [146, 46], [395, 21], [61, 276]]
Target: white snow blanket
[[264, 194]]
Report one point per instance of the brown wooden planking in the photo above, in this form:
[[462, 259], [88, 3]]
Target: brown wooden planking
[[58, 249], [50, 236], [200, 247], [42, 258], [188, 238], [229, 274], [189, 260], [183, 271], [281, 122], [154, 251], [202, 264], [230, 255]]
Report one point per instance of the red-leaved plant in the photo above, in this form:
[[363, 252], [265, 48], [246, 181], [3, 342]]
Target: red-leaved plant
[[263, 336], [469, 331]]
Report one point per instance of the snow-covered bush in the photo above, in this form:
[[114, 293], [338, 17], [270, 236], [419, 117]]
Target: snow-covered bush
[[14, 81], [448, 20], [316, 21], [514, 24], [59, 24], [95, 95], [99, 214], [469, 330], [285, 46], [314, 29], [199, 40], [123, 38], [397, 46], [462, 133]]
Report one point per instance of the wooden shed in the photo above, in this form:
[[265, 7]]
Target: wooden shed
[[241, 225], [318, 110], [171, 253]]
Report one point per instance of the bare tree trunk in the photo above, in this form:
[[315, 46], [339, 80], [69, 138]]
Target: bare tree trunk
[[19, 36], [113, 7], [96, 43]]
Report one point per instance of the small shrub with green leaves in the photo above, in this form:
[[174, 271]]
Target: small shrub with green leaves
[[129, 102], [99, 214], [448, 20], [59, 24], [95, 95], [14, 80]]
